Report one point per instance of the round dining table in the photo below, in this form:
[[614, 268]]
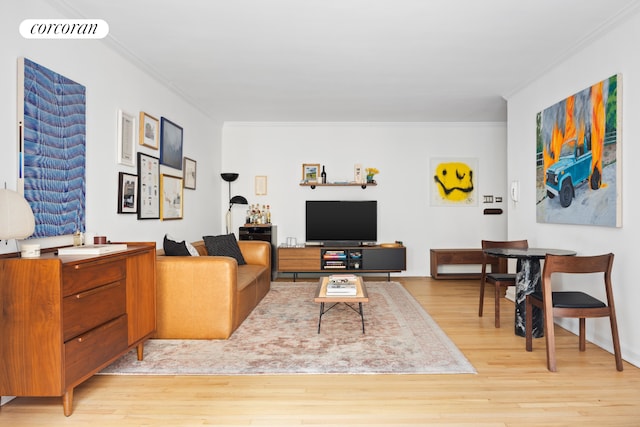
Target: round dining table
[[528, 280]]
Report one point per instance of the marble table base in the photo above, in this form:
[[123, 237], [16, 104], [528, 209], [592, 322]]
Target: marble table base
[[528, 280]]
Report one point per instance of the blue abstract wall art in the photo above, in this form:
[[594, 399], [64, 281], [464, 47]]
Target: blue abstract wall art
[[52, 148]]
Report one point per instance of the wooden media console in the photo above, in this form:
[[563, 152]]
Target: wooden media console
[[330, 259]]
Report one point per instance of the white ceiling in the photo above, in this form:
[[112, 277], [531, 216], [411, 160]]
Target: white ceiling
[[350, 60]]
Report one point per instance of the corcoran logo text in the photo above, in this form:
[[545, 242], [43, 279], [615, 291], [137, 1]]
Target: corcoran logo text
[[64, 29]]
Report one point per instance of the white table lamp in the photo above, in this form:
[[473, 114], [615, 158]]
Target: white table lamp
[[16, 217]]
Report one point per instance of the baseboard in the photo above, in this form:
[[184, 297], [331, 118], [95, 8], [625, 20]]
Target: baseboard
[[511, 293], [6, 399]]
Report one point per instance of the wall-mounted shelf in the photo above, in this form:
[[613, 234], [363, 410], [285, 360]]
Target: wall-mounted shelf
[[313, 185]]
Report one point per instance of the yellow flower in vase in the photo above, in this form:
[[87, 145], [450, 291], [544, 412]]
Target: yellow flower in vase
[[371, 172]]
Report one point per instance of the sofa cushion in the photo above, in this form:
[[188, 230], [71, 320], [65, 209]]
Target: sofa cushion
[[248, 274], [224, 245], [173, 248]]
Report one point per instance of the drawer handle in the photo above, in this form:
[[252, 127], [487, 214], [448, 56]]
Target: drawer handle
[[96, 290]]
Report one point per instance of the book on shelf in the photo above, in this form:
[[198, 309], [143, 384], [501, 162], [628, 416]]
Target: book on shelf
[[328, 256]]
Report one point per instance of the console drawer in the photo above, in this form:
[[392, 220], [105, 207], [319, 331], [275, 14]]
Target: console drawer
[[89, 352], [298, 259], [82, 276], [85, 310]]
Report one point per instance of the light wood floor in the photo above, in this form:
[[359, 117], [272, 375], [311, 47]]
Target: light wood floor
[[512, 387]]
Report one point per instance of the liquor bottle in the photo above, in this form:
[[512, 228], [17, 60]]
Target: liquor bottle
[[323, 175], [268, 214], [77, 238]]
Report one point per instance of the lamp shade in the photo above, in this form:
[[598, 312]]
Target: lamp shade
[[229, 177], [16, 217], [238, 200]]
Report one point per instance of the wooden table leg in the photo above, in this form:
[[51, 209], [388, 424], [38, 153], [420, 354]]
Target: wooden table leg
[[140, 350], [67, 402]]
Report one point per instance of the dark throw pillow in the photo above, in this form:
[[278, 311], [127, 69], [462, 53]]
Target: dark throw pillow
[[224, 245], [173, 248]]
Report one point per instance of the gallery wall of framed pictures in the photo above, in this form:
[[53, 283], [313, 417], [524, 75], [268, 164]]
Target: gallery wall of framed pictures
[[147, 191]]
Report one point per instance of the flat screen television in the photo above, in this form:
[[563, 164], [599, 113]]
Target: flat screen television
[[341, 222]]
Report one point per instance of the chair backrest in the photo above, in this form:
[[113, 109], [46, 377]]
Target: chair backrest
[[510, 244], [577, 265]]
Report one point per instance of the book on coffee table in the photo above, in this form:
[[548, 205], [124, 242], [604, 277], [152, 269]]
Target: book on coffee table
[[334, 288]]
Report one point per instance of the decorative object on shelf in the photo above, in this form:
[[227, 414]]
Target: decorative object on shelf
[[126, 138], [170, 144], [371, 173], [171, 206], [261, 185], [323, 175], [235, 200], [16, 217], [148, 187], [391, 245], [149, 131], [358, 174], [127, 193], [310, 172], [189, 173]]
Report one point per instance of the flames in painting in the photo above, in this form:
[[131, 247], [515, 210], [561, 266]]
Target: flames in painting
[[579, 118]]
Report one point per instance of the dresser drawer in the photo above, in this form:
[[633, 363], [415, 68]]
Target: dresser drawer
[[88, 352], [82, 276], [85, 310]]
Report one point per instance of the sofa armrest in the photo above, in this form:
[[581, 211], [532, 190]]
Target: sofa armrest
[[195, 296], [256, 252]]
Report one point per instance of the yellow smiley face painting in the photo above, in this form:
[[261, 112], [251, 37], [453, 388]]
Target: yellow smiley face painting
[[454, 182]]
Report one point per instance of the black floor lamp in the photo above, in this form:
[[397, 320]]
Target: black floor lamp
[[235, 200]]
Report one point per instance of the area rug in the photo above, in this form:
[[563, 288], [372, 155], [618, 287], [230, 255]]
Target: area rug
[[281, 336]]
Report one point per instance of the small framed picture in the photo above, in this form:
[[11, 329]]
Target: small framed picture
[[310, 172], [261, 185], [127, 193], [171, 202], [148, 186], [126, 138], [189, 173], [149, 131], [170, 144]]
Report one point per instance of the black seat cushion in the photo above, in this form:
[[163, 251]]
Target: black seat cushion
[[501, 277], [572, 299]]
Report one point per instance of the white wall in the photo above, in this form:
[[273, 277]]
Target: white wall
[[402, 153], [112, 83], [614, 52]]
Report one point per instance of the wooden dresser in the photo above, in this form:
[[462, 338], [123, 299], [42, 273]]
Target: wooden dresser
[[64, 318]]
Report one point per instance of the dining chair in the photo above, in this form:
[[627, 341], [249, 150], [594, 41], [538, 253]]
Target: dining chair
[[499, 279], [572, 303]]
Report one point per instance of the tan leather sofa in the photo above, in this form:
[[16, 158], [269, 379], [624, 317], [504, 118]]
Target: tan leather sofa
[[208, 297]]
